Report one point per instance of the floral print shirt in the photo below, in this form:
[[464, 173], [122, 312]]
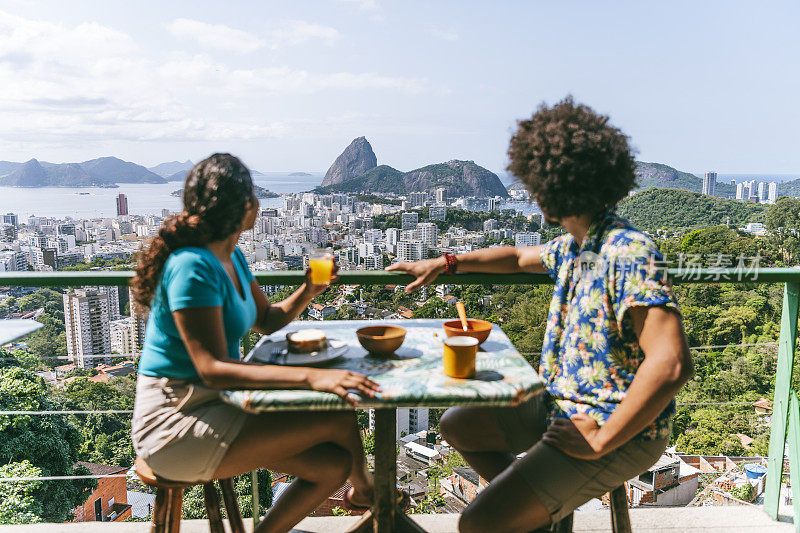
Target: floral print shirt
[[590, 351]]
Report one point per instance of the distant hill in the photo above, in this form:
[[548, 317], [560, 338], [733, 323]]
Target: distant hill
[[165, 170], [7, 167], [664, 176], [300, 174], [115, 170], [461, 178], [261, 192], [789, 188], [34, 174], [101, 172], [654, 208]]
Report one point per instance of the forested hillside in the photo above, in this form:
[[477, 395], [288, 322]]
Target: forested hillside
[[654, 209]]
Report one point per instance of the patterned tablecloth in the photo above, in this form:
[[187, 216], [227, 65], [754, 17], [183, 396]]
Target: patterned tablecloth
[[412, 377]]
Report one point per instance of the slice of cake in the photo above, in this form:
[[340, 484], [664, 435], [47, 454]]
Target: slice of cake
[[306, 341]]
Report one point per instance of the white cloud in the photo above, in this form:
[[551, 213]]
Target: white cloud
[[443, 34], [294, 32], [215, 35], [364, 5], [86, 83], [278, 35]]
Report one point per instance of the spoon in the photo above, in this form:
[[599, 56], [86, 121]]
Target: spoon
[[462, 314]]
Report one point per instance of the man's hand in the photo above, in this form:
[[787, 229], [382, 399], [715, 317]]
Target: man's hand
[[425, 271], [576, 437]]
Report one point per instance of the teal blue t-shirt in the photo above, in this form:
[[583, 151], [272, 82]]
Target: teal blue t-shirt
[[194, 277]]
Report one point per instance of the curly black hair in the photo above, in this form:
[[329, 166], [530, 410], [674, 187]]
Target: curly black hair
[[572, 160], [216, 196]]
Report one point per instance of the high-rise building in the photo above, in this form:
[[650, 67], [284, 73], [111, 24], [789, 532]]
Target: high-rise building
[[437, 212], [87, 326], [123, 337], [428, 233], [11, 218], [411, 250], [523, 238], [494, 204], [122, 205], [740, 190], [417, 198], [710, 183], [441, 196], [772, 193], [409, 220], [762, 191], [409, 421], [489, 225]]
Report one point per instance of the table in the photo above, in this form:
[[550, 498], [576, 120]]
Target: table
[[16, 328], [412, 377]]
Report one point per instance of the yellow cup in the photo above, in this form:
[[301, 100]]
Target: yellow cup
[[321, 265], [459, 356]]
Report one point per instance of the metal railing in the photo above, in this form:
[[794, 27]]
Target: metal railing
[[786, 407]]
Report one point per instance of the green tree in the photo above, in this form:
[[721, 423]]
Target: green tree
[[18, 503], [48, 442]]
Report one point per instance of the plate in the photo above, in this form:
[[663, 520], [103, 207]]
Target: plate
[[265, 348]]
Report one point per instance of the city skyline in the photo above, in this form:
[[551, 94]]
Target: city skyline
[[285, 86]]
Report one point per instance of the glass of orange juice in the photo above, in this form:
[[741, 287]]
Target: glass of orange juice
[[321, 264]]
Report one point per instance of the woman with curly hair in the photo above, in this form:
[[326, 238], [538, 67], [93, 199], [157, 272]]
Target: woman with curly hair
[[614, 352], [202, 299]]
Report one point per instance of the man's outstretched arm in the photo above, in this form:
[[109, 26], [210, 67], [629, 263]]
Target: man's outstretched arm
[[499, 260]]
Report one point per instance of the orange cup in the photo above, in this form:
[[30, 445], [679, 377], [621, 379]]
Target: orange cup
[[321, 265], [459, 356]]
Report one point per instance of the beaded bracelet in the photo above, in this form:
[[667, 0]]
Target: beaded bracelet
[[451, 262]]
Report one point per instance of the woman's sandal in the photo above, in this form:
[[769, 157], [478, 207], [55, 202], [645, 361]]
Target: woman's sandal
[[403, 501]]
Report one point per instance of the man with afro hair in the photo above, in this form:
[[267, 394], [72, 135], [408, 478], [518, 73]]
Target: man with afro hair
[[614, 353]]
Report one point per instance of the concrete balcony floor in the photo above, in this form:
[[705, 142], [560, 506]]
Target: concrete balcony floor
[[652, 520]]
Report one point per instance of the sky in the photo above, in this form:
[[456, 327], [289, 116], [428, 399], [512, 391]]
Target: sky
[[700, 86]]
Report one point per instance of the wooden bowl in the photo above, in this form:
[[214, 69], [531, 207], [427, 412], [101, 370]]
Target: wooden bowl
[[478, 329], [381, 340]]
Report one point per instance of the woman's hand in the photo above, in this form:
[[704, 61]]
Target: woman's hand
[[339, 381], [425, 271], [576, 437], [315, 289]]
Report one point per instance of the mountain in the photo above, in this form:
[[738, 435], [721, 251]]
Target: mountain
[[115, 170], [789, 188], [356, 159], [654, 208], [462, 178], [261, 192], [300, 174], [165, 170], [35, 174], [178, 176], [665, 177], [7, 167]]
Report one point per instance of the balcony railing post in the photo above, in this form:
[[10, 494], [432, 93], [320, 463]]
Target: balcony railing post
[[781, 400]]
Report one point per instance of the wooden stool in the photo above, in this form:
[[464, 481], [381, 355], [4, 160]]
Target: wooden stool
[[620, 520], [169, 502]]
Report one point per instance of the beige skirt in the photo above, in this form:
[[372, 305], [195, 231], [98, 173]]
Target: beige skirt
[[182, 429]]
